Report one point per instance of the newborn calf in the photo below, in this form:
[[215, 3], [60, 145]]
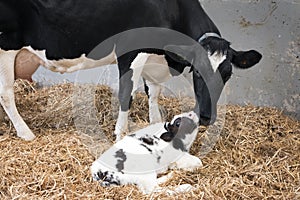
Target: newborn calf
[[139, 157]]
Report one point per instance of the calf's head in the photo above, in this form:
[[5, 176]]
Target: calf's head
[[180, 130]]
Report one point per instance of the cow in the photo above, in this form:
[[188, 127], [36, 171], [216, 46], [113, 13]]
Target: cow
[[21, 64], [73, 28], [11, 69], [139, 157]]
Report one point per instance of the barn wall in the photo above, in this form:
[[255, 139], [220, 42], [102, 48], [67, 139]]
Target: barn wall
[[270, 26]]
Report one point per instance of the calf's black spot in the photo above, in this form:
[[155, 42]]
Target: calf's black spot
[[121, 158], [147, 140]]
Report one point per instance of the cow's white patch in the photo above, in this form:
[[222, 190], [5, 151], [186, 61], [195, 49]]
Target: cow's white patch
[[137, 67], [216, 59], [75, 64], [156, 69], [154, 91]]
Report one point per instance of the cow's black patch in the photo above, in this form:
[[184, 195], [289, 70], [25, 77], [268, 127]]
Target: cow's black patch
[[214, 44]]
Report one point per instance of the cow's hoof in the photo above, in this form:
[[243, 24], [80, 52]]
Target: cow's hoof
[[117, 138], [117, 135], [28, 136]]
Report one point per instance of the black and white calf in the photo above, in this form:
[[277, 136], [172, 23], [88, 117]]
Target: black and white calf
[[139, 157]]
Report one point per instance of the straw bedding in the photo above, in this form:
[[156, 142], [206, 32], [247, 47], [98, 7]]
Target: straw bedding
[[256, 154]]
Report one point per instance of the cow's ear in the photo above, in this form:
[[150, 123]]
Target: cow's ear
[[167, 136], [245, 59]]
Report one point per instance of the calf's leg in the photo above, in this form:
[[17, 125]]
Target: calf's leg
[[187, 162]]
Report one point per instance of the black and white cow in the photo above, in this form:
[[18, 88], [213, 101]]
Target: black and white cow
[[21, 64], [139, 157], [68, 29]]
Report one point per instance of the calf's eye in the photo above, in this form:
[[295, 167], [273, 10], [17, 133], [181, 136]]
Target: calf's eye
[[177, 122]]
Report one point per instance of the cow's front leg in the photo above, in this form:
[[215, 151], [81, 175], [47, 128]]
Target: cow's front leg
[[154, 91], [7, 100], [128, 84]]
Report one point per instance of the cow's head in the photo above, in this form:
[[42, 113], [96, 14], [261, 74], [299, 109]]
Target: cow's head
[[212, 67]]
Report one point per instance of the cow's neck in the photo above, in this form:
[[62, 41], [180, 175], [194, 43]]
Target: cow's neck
[[197, 21]]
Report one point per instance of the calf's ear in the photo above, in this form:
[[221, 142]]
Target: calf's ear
[[167, 136], [245, 59]]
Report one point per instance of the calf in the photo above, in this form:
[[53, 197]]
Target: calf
[[139, 157]]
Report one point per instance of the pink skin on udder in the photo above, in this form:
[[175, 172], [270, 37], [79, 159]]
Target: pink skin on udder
[[26, 63]]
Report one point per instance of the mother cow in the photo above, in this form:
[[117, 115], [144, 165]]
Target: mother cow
[[69, 28]]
